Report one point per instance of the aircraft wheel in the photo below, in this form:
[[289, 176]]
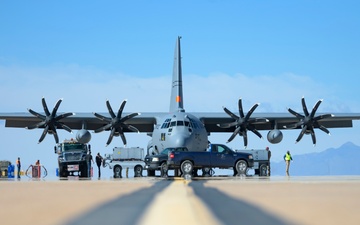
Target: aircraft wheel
[[151, 173], [138, 171], [187, 167], [117, 171], [241, 167], [263, 170], [206, 172], [164, 169]]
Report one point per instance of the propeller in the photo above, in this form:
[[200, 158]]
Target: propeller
[[116, 124], [243, 123], [308, 121], [50, 121]]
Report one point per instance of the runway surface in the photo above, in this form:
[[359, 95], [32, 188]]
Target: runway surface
[[215, 200]]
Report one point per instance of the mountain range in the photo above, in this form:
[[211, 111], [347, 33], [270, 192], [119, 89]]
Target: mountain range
[[340, 161]]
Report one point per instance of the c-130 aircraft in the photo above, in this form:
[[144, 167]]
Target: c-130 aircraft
[[178, 128]]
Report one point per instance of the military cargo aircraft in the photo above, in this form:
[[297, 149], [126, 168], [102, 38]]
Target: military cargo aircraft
[[178, 128]]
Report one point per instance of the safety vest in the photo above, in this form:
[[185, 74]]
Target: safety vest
[[287, 157]]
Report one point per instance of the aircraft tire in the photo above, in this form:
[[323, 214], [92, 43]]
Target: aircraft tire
[[164, 169], [138, 171], [151, 173], [117, 171], [263, 170], [207, 172]]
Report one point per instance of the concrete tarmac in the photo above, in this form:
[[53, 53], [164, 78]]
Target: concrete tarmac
[[215, 200]]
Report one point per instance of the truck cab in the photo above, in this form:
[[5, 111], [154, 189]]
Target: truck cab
[[158, 162], [72, 158]]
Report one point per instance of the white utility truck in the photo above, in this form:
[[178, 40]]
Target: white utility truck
[[125, 158], [261, 161]]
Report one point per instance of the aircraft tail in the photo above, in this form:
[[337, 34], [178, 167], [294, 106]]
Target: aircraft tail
[[176, 100]]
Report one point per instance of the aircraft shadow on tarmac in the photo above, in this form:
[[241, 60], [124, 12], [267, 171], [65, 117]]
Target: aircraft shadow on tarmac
[[232, 211], [128, 209]]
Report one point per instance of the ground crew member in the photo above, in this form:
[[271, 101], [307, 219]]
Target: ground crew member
[[287, 158], [18, 164], [89, 159], [99, 160], [269, 156]]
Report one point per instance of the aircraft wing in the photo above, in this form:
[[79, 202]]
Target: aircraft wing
[[144, 122], [281, 120]]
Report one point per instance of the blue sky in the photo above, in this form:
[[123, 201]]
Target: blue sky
[[271, 52]]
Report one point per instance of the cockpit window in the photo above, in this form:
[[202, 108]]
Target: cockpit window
[[166, 123], [173, 124], [180, 123]]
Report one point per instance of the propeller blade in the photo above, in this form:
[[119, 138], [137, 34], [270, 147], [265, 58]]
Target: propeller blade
[[123, 138], [315, 108], [233, 134], [324, 129], [299, 116], [40, 124], [43, 134], [232, 115], [110, 137], [106, 127], [46, 110], [101, 117], [251, 111], [245, 141], [324, 116], [132, 128], [301, 134], [129, 117], [227, 125], [64, 115], [306, 112], [38, 115], [313, 136], [56, 136], [241, 111], [55, 109], [256, 132], [63, 126], [112, 114], [121, 109]]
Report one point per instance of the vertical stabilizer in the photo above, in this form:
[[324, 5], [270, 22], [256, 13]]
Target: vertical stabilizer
[[176, 100]]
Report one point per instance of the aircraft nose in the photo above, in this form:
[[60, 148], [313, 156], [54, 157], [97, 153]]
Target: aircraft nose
[[181, 141]]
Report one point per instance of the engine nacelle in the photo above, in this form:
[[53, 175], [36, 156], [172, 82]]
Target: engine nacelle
[[275, 136], [83, 136]]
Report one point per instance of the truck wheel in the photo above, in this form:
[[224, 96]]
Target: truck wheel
[[164, 169], [151, 173], [138, 171], [241, 167], [263, 170], [187, 167], [117, 171]]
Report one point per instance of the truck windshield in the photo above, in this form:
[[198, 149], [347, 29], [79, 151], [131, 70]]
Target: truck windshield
[[71, 147]]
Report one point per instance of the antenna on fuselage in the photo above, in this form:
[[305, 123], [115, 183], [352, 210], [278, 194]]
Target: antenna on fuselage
[[176, 100]]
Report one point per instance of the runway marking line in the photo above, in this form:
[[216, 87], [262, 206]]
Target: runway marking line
[[177, 204]]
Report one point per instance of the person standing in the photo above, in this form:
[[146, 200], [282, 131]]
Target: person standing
[[269, 156], [99, 160], [18, 164], [287, 158], [89, 159]]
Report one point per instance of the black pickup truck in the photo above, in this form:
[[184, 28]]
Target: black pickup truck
[[217, 156]]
